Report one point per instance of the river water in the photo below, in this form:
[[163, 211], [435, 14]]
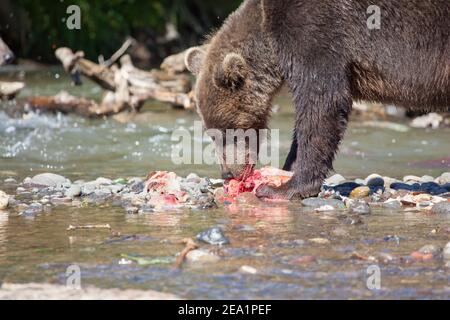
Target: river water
[[274, 241]]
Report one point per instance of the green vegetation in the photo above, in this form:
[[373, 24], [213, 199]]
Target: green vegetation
[[35, 28]]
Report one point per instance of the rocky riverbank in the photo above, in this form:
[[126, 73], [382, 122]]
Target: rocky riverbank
[[165, 191]]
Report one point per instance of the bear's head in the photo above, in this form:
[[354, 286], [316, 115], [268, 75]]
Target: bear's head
[[233, 93], [6, 55]]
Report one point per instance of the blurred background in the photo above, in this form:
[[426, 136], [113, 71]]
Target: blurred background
[[34, 29]]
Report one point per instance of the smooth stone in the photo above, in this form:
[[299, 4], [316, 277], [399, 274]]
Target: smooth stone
[[213, 236], [4, 200], [444, 178], [360, 207], [137, 187], [389, 181], [430, 248], [64, 200], [73, 192], [411, 178], [103, 181], [345, 188], [192, 177], [375, 177], [318, 202], [375, 182], [201, 256], [446, 252], [20, 189], [10, 181], [360, 192], [116, 188], [401, 186], [335, 180], [248, 270], [319, 240], [247, 198], [48, 180], [441, 208], [425, 179], [392, 204], [88, 188]]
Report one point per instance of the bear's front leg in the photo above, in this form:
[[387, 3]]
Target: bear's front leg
[[321, 119]]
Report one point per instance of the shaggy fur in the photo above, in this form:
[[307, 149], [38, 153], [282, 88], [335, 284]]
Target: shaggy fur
[[328, 57]]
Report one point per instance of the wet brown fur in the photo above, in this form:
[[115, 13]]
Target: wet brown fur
[[328, 57]]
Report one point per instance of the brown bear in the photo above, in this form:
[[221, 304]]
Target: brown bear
[[328, 55], [6, 55]]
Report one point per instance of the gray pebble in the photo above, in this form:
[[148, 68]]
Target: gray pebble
[[213, 236], [318, 202], [360, 207], [73, 191]]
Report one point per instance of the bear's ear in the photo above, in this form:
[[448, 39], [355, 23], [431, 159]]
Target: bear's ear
[[233, 71], [194, 59]]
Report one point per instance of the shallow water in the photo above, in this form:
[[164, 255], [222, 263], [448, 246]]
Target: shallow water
[[270, 239]]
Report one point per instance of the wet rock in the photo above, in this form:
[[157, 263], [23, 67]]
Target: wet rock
[[432, 120], [425, 179], [58, 201], [318, 202], [374, 180], [304, 260], [131, 210], [103, 181], [213, 236], [360, 207], [116, 188], [201, 256], [344, 189], [4, 200], [73, 192], [340, 232], [392, 204], [10, 181], [146, 208], [441, 208], [137, 186], [411, 179], [444, 178], [193, 177], [248, 270], [360, 192], [389, 181], [248, 198], [334, 180], [319, 241], [401, 186], [446, 251], [88, 188], [430, 249], [48, 180]]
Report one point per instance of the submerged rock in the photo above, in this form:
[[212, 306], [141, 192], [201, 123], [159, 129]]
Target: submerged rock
[[213, 236], [441, 208], [48, 180], [318, 203], [360, 207], [4, 200], [201, 256], [73, 191]]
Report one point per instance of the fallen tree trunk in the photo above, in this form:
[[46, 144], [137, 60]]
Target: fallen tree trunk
[[127, 87]]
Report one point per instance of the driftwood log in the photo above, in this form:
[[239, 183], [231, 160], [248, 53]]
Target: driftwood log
[[126, 87]]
